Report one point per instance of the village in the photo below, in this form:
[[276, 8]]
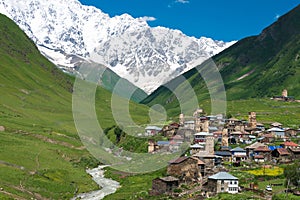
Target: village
[[218, 145]]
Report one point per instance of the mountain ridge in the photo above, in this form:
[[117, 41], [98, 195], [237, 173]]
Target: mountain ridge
[[147, 57], [255, 67]]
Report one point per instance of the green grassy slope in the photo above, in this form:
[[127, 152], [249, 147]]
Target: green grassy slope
[[109, 81], [255, 67], [41, 155]]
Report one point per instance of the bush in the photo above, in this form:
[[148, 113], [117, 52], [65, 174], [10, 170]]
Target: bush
[[177, 190]]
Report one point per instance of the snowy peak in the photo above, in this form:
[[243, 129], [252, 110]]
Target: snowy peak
[[147, 57]]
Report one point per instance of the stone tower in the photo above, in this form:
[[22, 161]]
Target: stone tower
[[252, 119], [197, 120], [151, 146], [210, 144], [225, 137], [205, 126], [285, 93], [197, 124], [181, 119]]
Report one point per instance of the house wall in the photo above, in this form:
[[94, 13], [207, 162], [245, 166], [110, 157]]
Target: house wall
[[158, 187], [187, 170], [239, 153], [218, 186], [259, 160]]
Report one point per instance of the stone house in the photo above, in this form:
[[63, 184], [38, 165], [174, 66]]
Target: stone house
[[202, 167], [223, 182], [268, 138], [290, 132], [164, 185], [186, 133], [185, 169], [152, 130], [281, 155], [287, 145], [226, 155], [208, 159], [250, 148], [238, 154], [262, 151], [201, 137], [170, 130], [189, 124], [295, 153], [260, 127], [195, 148], [259, 158]]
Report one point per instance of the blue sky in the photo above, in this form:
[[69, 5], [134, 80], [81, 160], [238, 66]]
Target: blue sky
[[219, 19]]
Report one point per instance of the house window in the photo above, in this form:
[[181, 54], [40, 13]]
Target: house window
[[230, 182], [222, 189], [235, 182], [222, 182]]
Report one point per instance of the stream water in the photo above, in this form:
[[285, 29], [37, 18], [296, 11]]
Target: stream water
[[108, 186]]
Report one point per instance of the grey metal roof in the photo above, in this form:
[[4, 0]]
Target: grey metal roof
[[275, 130], [238, 149], [153, 128], [169, 179], [163, 142], [196, 146], [223, 176], [222, 153], [203, 134]]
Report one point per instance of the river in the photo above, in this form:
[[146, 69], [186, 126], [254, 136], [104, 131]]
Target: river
[[108, 186]]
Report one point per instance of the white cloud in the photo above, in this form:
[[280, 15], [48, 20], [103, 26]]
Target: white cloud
[[147, 18], [182, 1]]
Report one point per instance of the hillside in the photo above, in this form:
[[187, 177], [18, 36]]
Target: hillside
[[41, 155], [255, 67]]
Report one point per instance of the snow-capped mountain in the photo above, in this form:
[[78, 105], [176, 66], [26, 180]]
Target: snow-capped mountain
[[67, 33]]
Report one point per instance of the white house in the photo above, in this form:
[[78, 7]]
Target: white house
[[223, 182], [278, 132], [152, 130]]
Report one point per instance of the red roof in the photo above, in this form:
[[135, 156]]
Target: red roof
[[290, 144], [262, 149], [259, 157], [175, 124], [283, 151]]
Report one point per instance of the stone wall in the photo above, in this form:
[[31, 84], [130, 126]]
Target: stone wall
[[186, 171]]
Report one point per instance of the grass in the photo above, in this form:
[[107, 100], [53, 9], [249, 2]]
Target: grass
[[31, 167], [41, 154], [275, 189], [133, 186], [239, 196]]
